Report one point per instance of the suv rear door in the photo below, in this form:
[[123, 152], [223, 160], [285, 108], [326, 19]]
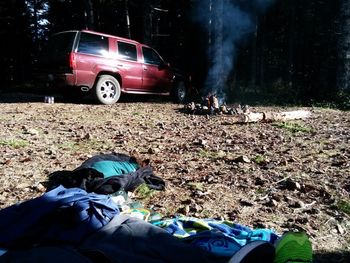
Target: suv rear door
[[129, 66], [156, 76]]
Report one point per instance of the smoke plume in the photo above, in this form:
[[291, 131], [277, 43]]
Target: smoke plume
[[227, 23]]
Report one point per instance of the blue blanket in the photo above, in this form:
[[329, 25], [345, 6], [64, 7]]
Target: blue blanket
[[221, 238]]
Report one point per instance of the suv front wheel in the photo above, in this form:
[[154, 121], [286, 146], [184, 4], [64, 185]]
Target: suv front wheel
[[107, 90], [179, 92]]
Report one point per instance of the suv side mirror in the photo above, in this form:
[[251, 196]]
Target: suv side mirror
[[164, 65]]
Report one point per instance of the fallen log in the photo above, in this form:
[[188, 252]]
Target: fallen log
[[270, 116], [242, 114]]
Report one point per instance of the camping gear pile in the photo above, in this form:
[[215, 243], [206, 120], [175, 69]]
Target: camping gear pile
[[87, 216]]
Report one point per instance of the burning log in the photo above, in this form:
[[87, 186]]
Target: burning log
[[214, 102]]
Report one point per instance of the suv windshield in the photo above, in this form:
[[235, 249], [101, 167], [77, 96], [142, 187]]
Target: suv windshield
[[151, 57]]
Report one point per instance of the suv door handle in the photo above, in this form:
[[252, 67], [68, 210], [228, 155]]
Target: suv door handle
[[144, 68]]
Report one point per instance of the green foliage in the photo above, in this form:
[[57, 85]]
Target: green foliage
[[293, 127], [343, 206], [261, 191], [206, 213], [211, 154], [196, 186], [282, 93], [14, 143], [144, 192], [324, 104], [69, 146], [259, 159], [343, 100]]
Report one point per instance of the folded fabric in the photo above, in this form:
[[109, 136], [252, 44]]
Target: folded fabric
[[221, 238], [127, 239], [59, 216], [107, 174]]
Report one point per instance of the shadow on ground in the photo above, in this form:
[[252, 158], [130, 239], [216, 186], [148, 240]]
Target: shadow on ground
[[32, 95], [20, 97], [23, 94], [332, 257]]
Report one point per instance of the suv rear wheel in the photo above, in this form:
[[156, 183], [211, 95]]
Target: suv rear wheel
[[107, 90]]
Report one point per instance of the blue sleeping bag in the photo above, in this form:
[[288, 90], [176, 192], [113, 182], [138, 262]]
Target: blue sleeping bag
[[59, 216]]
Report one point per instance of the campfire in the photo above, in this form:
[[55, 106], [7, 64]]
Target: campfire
[[210, 106]]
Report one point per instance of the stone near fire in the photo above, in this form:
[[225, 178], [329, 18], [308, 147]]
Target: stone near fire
[[242, 159], [223, 109]]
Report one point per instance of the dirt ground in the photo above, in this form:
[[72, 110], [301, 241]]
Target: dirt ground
[[283, 176]]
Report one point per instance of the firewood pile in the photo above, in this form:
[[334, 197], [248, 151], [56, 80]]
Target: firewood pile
[[241, 114]]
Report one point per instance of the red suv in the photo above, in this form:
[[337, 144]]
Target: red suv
[[107, 66]]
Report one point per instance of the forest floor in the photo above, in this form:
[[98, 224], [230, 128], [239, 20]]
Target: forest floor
[[282, 176]]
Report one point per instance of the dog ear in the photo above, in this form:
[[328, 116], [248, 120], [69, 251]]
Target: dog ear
[[134, 153], [135, 156]]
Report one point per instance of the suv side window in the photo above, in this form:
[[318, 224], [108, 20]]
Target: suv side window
[[93, 44], [151, 57], [127, 51]]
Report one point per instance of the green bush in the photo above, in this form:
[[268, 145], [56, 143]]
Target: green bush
[[343, 100]]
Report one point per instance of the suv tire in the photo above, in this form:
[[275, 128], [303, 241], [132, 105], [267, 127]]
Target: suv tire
[[107, 90], [179, 92]]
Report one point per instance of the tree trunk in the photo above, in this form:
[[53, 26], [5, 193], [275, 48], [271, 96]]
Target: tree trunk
[[344, 47], [89, 15], [147, 22], [127, 19], [291, 42], [35, 16], [254, 59], [262, 50]]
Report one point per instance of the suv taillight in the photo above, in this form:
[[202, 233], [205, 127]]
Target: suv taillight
[[72, 61]]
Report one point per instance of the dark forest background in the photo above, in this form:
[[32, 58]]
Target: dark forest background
[[295, 51]]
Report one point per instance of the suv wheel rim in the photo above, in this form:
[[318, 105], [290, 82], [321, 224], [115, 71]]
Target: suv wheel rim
[[108, 91], [181, 91]]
